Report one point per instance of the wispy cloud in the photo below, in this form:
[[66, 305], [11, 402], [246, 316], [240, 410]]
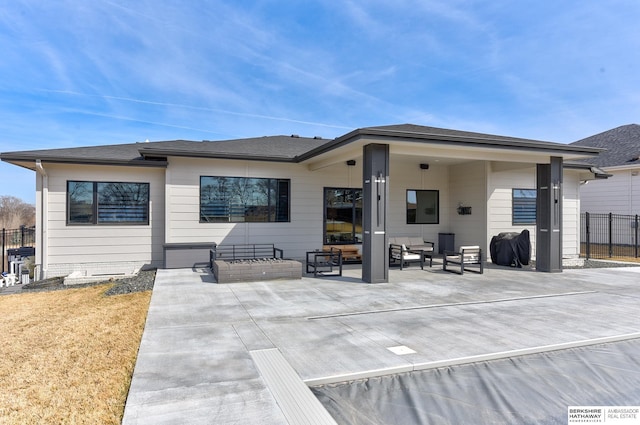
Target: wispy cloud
[[190, 107]]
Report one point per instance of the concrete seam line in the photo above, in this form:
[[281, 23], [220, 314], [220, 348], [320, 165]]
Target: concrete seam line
[[420, 307]]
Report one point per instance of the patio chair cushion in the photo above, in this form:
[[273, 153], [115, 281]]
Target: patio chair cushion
[[409, 256], [418, 243], [471, 253], [411, 242], [467, 255], [399, 240]]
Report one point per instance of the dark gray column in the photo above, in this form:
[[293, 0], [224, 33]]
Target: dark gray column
[[549, 216], [375, 192]]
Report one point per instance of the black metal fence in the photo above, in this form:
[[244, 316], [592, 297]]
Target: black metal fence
[[609, 235], [16, 238]]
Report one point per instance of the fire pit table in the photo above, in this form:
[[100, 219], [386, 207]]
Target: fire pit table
[[246, 263]]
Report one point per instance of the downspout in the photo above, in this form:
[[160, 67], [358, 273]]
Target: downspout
[[41, 247]]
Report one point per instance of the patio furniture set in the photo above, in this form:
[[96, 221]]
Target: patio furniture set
[[239, 263], [402, 251]]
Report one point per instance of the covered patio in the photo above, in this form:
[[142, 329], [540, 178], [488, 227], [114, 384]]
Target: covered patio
[[425, 182]]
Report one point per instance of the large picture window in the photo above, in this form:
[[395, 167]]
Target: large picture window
[[342, 216], [524, 206], [242, 199], [423, 206], [107, 203]]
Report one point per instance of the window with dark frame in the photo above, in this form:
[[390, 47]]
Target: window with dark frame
[[423, 206], [342, 216], [244, 199], [524, 206], [106, 203]]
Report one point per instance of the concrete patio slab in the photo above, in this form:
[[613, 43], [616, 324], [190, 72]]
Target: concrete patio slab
[[195, 363]]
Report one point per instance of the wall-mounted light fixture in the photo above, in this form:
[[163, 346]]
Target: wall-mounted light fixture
[[351, 162], [424, 166], [464, 210]]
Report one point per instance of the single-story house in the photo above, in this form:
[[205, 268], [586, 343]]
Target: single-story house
[[116, 208], [620, 192]]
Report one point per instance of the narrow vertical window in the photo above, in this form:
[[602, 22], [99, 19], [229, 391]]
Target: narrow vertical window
[[524, 206], [80, 202], [342, 216]]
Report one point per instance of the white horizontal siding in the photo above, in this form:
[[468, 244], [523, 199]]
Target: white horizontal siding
[[619, 194], [406, 174], [467, 185], [570, 214], [304, 231], [502, 180], [71, 246]]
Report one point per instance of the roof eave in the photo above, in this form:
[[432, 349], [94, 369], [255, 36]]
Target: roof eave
[[520, 144], [598, 172], [89, 161]]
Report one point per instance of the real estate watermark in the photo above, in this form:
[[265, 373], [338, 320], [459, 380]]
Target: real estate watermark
[[614, 415]]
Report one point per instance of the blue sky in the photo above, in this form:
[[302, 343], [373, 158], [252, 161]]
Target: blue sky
[[80, 73]]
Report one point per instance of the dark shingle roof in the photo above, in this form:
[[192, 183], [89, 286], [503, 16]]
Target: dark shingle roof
[[446, 133], [622, 146], [434, 135], [276, 148], [121, 154]]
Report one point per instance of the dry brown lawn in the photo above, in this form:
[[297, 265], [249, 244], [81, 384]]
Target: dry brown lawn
[[66, 357]]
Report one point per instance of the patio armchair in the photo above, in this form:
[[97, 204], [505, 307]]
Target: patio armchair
[[467, 256], [412, 243], [325, 263], [403, 255]]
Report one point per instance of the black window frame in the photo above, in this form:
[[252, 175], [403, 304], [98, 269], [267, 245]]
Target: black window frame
[[414, 217], [278, 207], [519, 205], [354, 216], [96, 213]]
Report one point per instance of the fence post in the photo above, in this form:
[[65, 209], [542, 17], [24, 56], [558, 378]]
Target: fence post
[[610, 235], [4, 251], [635, 228], [588, 233]]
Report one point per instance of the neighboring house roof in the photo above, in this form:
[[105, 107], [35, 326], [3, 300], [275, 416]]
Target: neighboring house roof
[[622, 146], [277, 148]]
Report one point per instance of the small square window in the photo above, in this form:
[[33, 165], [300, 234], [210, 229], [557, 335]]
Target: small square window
[[423, 206]]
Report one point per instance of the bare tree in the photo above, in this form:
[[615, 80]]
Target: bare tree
[[14, 212]]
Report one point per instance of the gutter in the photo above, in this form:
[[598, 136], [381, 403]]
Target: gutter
[[598, 172], [41, 236], [86, 161]]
